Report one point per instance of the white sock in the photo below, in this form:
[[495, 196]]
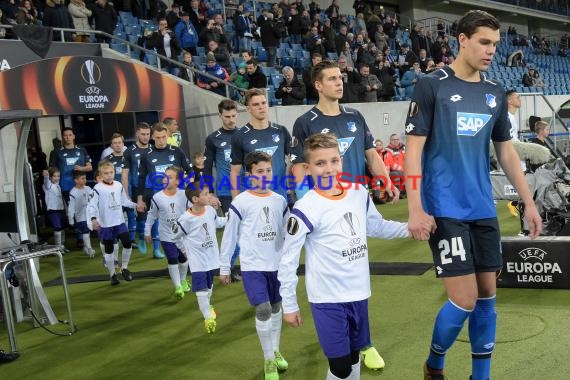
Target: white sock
[[203, 303], [355, 374], [57, 237], [210, 291], [126, 257], [264, 333], [330, 376], [276, 321], [116, 252], [62, 237], [174, 274], [102, 246], [87, 241], [182, 270], [109, 263]]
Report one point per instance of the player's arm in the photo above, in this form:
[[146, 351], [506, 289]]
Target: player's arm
[[229, 241], [220, 221], [125, 172], [510, 162], [210, 154], [377, 168], [71, 210], [143, 171], [126, 201], [92, 210], [235, 171], [294, 239], [420, 224]]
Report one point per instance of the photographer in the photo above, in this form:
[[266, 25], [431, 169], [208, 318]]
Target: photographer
[[316, 43], [291, 90], [212, 32], [165, 43]]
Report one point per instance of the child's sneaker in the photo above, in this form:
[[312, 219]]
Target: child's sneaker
[[270, 370], [115, 280], [158, 254], [372, 359], [433, 374], [210, 325], [179, 292], [126, 274], [141, 246], [280, 361], [185, 285], [213, 314]]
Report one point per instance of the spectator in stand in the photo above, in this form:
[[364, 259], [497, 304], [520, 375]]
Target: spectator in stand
[[291, 90], [172, 16], [105, 19], [370, 85], [255, 75], [390, 30], [245, 55], [329, 35], [410, 78], [527, 78], [385, 73], [516, 59], [406, 59], [366, 54], [3, 21], [27, 14], [316, 43], [285, 8], [394, 169], [341, 38], [372, 26], [380, 38], [219, 25], [245, 28], [57, 15], [221, 54], [262, 17], [212, 32], [348, 54], [80, 15], [186, 33], [398, 149], [391, 59], [333, 13], [314, 9], [350, 81], [198, 12], [270, 36], [562, 52], [295, 26], [215, 70], [359, 24], [443, 56], [423, 60], [359, 6], [165, 43], [312, 94], [537, 80], [187, 73], [431, 66], [239, 79]]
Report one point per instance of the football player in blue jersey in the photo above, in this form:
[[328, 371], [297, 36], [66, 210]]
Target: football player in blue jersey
[[454, 113]]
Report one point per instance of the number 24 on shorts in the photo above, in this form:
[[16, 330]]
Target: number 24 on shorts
[[449, 250]]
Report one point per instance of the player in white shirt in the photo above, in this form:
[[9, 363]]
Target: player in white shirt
[[105, 212], [332, 221], [54, 205], [196, 236], [166, 206], [256, 223], [77, 209]]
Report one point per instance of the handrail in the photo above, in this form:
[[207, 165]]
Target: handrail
[[159, 57]]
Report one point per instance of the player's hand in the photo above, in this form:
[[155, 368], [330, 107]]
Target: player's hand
[[393, 193], [225, 279], [77, 167], [148, 239], [95, 225], [293, 319], [421, 225], [141, 206], [45, 173], [214, 201], [533, 221], [71, 223]]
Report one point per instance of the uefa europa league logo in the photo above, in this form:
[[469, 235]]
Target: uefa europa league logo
[[266, 213], [205, 227], [172, 207], [348, 219], [90, 72]]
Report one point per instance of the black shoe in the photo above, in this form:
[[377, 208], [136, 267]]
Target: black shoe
[[115, 280], [127, 276], [235, 275], [6, 357]]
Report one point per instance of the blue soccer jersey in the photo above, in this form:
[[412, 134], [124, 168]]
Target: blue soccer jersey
[[459, 119], [354, 137], [119, 163], [65, 160], [218, 153], [133, 156], [157, 161], [274, 140]]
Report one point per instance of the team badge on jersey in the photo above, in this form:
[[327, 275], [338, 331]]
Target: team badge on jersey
[[490, 100], [275, 137], [413, 110], [469, 124], [292, 226], [351, 125], [171, 158]]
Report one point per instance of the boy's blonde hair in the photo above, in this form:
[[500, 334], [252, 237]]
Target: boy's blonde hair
[[319, 141], [104, 164]]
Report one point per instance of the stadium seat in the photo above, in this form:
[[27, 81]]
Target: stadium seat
[[261, 54], [151, 59], [119, 47]]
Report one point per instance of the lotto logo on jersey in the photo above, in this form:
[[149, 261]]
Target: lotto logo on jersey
[[270, 150], [469, 124], [344, 144]]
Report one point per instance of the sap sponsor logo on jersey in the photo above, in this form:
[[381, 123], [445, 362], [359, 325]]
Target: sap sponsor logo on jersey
[[533, 268], [228, 155], [270, 150], [469, 124], [4, 65], [344, 143]]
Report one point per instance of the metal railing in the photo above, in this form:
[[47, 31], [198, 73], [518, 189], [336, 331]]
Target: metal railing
[[131, 46]]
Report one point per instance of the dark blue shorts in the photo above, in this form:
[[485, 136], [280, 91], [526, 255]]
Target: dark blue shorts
[[82, 227], [465, 247], [56, 218], [341, 327], [171, 251], [112, 233], [261, 287], [202, 280]]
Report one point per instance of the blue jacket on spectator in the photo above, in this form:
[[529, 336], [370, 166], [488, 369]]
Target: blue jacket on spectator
[[186, 34]]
